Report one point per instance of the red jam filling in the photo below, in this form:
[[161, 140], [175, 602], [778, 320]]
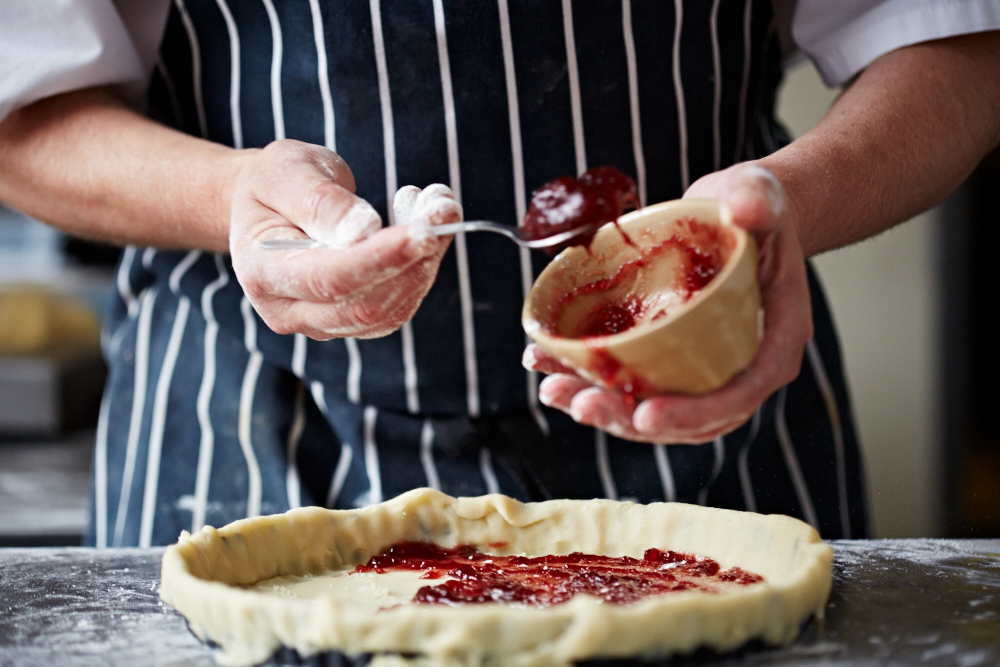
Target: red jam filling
[[600, 195], [699, 262], [700, 258], [613, 318], [544, 581]]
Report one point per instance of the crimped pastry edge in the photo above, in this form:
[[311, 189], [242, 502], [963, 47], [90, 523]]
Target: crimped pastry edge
[[204, 574]]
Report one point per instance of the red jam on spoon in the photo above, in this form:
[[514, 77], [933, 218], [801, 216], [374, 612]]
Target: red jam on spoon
[[544, 581], [600, 195]]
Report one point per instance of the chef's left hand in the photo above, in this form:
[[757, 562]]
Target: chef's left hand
[[759, 204]]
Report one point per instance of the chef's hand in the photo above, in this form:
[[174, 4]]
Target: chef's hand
[[759, 205], [366, 281]]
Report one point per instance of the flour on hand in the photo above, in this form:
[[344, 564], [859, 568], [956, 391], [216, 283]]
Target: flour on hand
[[430, 206], [359, 222]]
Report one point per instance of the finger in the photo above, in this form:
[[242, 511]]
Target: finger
[[753, 194], [557, 391], [310, 187], [377, 312], [434, 205], [756, 200], [679, 430], [403, 204], [692, 417], [440, 211], [607, 410], [708, 435], [329, 275], [737, 400], [355, 224], [612, 412], [787, 328], [536, 359], [362, 320], [432, 192]]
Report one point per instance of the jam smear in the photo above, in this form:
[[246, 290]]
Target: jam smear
[[700, 261], [613, 318], [613, 373], [600, 195], [701, 267], [700, 252], [544, 581]]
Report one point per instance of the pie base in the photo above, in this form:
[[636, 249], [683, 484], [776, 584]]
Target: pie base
[[207, 578]]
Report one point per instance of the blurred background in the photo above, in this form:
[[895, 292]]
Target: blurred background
[[52, 291], [912, 308]]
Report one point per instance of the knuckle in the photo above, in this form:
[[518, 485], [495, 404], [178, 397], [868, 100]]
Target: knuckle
[[254, 288], [284, 148], [807, 331], [280, 326], [403, 312], [319, 286], [336, 168], [283, 157], [792, 372], [378, 332], [367, 314], [275, 318], [329, 323], [272, 161], [319, 335], [323, 195]]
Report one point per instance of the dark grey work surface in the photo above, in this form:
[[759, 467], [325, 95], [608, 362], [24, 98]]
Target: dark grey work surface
[[894, 602]]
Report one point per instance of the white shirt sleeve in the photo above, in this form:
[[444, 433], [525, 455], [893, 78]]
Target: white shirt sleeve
[[49, 47], [842, 37]]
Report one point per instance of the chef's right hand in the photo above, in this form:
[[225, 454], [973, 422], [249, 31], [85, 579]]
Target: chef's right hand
[[365, 281]]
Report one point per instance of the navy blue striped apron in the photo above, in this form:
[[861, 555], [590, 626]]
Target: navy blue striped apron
[[209, 416]]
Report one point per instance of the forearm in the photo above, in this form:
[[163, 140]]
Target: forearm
[[87, 164], [908, 131]]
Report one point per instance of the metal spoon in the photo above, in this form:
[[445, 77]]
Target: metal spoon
[[514, 234]]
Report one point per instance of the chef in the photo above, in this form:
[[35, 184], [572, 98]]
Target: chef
[[245, 381]]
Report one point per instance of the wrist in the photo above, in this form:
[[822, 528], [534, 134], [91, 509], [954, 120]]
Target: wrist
[[234, 170], [801, 197]]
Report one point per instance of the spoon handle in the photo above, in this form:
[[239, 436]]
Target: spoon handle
[[437, 230], [454, 228]]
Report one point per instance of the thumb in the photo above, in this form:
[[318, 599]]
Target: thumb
[[753, 195]]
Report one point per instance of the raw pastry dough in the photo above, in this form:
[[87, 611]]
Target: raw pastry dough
[[207, 577]]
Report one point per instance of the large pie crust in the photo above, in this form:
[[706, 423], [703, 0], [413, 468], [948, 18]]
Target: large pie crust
[[205, 575]]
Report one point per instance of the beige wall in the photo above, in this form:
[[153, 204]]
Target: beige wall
[[882, 292]]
